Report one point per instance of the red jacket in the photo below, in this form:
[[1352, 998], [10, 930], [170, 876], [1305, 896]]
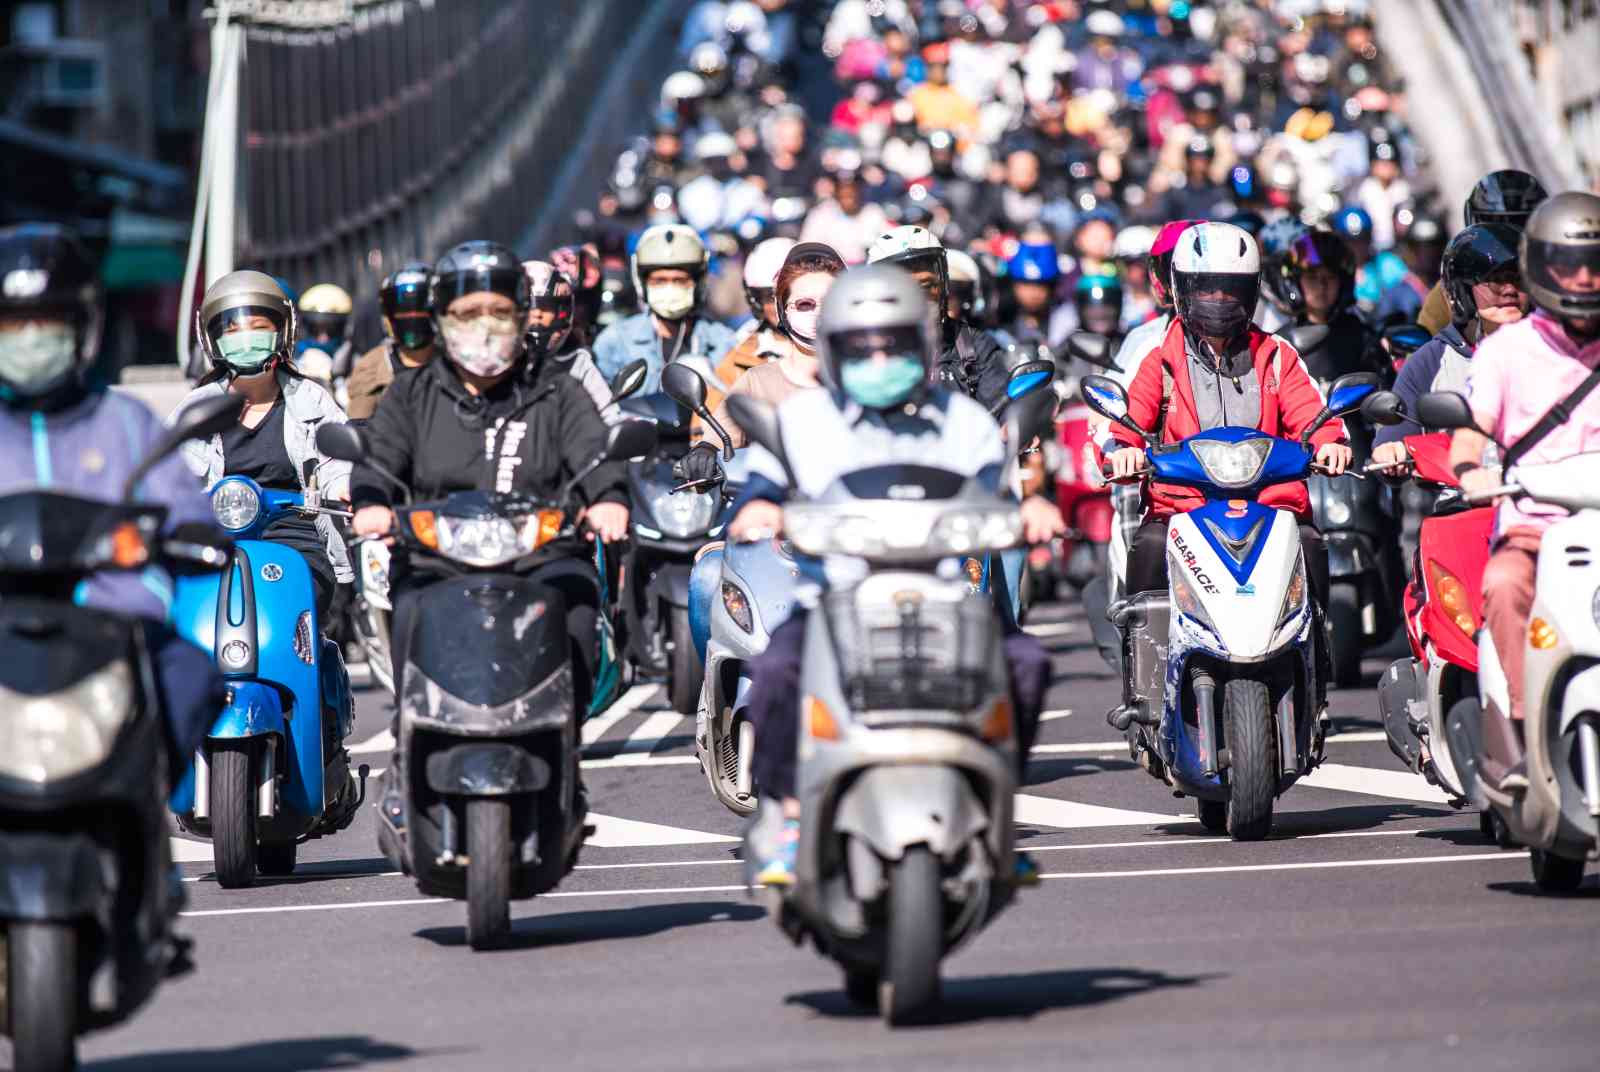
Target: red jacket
[[1290, 399]]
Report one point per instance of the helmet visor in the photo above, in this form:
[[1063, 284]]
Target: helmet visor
[[1241, 287], [408, 296], [245, 318], [449, 286], [863, 344], [1569, 270]]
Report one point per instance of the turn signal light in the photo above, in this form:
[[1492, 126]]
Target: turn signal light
[[1542, 635], [128, 548], [425, 528], [1453, 598], [997, 724], [819, 720]]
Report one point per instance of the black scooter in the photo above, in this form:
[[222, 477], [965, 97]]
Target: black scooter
[[88, 897]]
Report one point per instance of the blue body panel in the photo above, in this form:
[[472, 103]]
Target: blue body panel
[[608, 673], [1177, 463], [704, 585], [1238, 519]]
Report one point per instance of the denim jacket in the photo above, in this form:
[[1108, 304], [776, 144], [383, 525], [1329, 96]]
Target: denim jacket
[[635, 338]]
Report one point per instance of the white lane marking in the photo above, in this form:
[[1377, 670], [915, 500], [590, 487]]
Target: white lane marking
[[1314, 865], [660, 863], [383, 741], [614, 833], [1400, 785], [642, 759], [1163, 842], [626, 704], [652, 731], [1050, 629], [1046, 811], [1357, 737], [185, 851], [331, 876], [1049, 716], [267, 909], [1096, 747]]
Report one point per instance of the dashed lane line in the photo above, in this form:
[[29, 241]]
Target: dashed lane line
[[626, 704]]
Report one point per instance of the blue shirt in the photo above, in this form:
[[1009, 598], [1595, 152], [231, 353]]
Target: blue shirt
[[635, 339]]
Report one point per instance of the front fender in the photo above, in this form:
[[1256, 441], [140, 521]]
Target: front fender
[[670, 584], [1350, 554], [49, 876], [486, 770], [704, 587], [253, 709], [894, 808], [1582, 695]]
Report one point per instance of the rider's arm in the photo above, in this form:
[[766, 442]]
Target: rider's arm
[[390, 435], [583, 437], [1415, 380]]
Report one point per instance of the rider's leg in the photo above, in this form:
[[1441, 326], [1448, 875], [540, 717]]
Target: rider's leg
[[1508, 585], [1147, 558]]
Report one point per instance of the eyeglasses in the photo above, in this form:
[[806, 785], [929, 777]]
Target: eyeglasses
[[803, 305]]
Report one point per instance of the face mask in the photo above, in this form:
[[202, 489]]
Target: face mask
[[1216, 319], [37, 358], [245, 352], [481, 351], [803, 327], [671, 301], [881, 384]]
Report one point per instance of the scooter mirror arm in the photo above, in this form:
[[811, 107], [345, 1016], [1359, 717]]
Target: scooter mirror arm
[[716, 426], [1491, 494]]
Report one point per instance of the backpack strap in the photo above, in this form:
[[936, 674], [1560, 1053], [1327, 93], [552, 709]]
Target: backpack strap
[[1559, 414]]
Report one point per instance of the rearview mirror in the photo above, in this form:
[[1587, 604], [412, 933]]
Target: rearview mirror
[[1350, 390], [686, 387], [627, 382], [629, 439], [1403, 340], [1030, 417], [1444, 409], [201, 419], [1106, 397], [1384, 407], [1091, 348], [1306, 338], [1026, 378], [342, 442]]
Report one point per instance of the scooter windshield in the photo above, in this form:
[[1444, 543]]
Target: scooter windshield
[[1230, 462]]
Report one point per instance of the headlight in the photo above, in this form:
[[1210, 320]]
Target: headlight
[[64, 733], [1337, 510], [374, 567], [820, 532], [1232, 465], [683, 514], [1184, 595], [236, 505], [975, 530], [737, 606], [486, 541]]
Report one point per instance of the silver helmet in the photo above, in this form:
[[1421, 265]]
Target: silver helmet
[[1561, 256], [878, 310], [230, 302]]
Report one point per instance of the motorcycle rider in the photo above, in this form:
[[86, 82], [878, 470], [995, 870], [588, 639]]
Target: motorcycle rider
[[1483, 283], [969, 358], [247, 330], [877, 344], [1097, 300], [493, 417], [1319, 275], [323, 350], [1507, 197], [403, 297], [1032, 273], [552, 313], [669, 271], [1215, 369], [1518, 375], [60, 427], [762, 339], [581, 264]]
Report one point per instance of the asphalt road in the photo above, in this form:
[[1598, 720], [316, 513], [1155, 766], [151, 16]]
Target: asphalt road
[[1374, 930]]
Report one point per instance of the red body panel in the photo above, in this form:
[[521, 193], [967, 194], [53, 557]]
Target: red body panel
[[1082, 495], [1459, 543]]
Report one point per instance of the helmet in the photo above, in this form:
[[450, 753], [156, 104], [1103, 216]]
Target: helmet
[[1318, 249], [879, 309], [1166, 241], [228, 312], [45, 273], [803, 258], [670, 245], [1351, 222], [714, 144], [761, 271], [1276, 236], [1503, 197], [1098, 300], [1133, 243], [1561, 256], [710, 62], [325, 310], [966, 280], [916, 250], [551, 291], [1212, 257], [1034, 262], [480, 267], [682, 86], [1473, 256], [403, 297], [1104, 23]]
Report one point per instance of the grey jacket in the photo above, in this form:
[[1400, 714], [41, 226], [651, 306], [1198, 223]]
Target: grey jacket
[[308, 405]]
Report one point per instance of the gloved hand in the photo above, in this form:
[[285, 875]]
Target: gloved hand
[[699, 464]]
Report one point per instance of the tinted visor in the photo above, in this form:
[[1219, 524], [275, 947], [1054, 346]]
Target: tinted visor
[[449, 286], [867, 343], [241, 316], [1241, 288], [320, 325], [410, 296]]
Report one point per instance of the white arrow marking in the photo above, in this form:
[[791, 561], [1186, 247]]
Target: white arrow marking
[[1400, 785], [614, 833], [1069, 814]]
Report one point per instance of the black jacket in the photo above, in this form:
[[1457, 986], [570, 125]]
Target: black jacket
[[530, 434], [974, 363], [1351, 346]]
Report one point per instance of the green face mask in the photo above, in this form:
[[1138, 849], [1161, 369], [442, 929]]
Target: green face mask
[[246, 351], [881, 384]]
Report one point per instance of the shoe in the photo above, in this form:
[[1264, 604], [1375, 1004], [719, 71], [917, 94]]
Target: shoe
[[1025, 871], [1515, 779], [779, 868]]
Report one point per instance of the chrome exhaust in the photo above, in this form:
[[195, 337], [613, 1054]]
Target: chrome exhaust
[[1589, 758], [743, 782], [266, 787], [202, 784]]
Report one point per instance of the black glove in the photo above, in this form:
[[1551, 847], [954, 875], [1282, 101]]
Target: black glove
[[699, 464]]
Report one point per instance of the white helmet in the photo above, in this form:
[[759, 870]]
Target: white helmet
[[1216, 279], [1133, 243], [713, 144], [761, 271], [966, 283], [916, 250], [670, 245], [682, 85]]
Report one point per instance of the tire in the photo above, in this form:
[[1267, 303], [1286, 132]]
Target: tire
[[379, 658], [488, 872], [1555, 874], [276, 857], [685, 672], [861, 986], [1346, 642], [233, 813], [1214, 815], [910, 984], [42, 995], [1502, 832], [1253, 762]]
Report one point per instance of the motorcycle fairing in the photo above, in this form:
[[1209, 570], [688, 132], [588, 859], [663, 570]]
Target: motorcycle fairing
[[488, 639], [1177, 463], [1243, 601]]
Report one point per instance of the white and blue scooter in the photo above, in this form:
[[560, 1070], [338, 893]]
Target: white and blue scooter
[[1236, 625]]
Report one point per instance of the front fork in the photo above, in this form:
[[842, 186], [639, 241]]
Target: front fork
[[1589, 763]]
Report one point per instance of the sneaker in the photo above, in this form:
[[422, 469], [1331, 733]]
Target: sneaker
[[1515, 779], [778, 870], [1025, 871]]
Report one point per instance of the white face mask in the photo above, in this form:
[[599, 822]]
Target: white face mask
[[670, 301], [482, 351], [37, 357]]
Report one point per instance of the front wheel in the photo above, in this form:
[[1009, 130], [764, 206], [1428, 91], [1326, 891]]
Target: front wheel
[[42, 995], [488, 872], [910, 984], [1555, 874], [233, 813], [685, 672], [1345, 641], [1253, 762]]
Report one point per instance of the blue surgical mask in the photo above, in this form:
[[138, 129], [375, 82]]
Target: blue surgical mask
[[247, 351], [882, 384]]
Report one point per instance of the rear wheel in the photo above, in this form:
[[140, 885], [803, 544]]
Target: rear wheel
[[1214, 815], [488, 872], [910, 984], [233, 813], [42, 995], [685, 671], [1555, 874], [1253, 759], [1345, 642]]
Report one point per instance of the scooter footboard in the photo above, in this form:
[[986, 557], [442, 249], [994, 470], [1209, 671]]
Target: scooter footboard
[[895, 808]]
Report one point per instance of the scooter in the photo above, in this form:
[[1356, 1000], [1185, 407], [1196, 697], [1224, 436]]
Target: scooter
[[486, 755], [1236, 621], [89, 901], [273, 772], [1084, 497], [1543, 778], [908, 755]]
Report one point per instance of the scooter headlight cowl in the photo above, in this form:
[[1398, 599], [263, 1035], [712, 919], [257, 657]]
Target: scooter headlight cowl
[[235, 504], [50, 737], [685, 513], [1232, 465]]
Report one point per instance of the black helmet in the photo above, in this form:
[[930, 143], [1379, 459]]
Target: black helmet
[[1561, 256], [1318, 249], [1098, 301], [46, 274], [403, 297], [481, 268], [552, 292], [1504, 197], [1474, 256]]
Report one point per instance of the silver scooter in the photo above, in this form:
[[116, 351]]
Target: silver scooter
[[908, 752]]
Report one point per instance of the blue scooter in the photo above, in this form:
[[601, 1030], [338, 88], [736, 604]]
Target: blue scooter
[[273, 771]]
